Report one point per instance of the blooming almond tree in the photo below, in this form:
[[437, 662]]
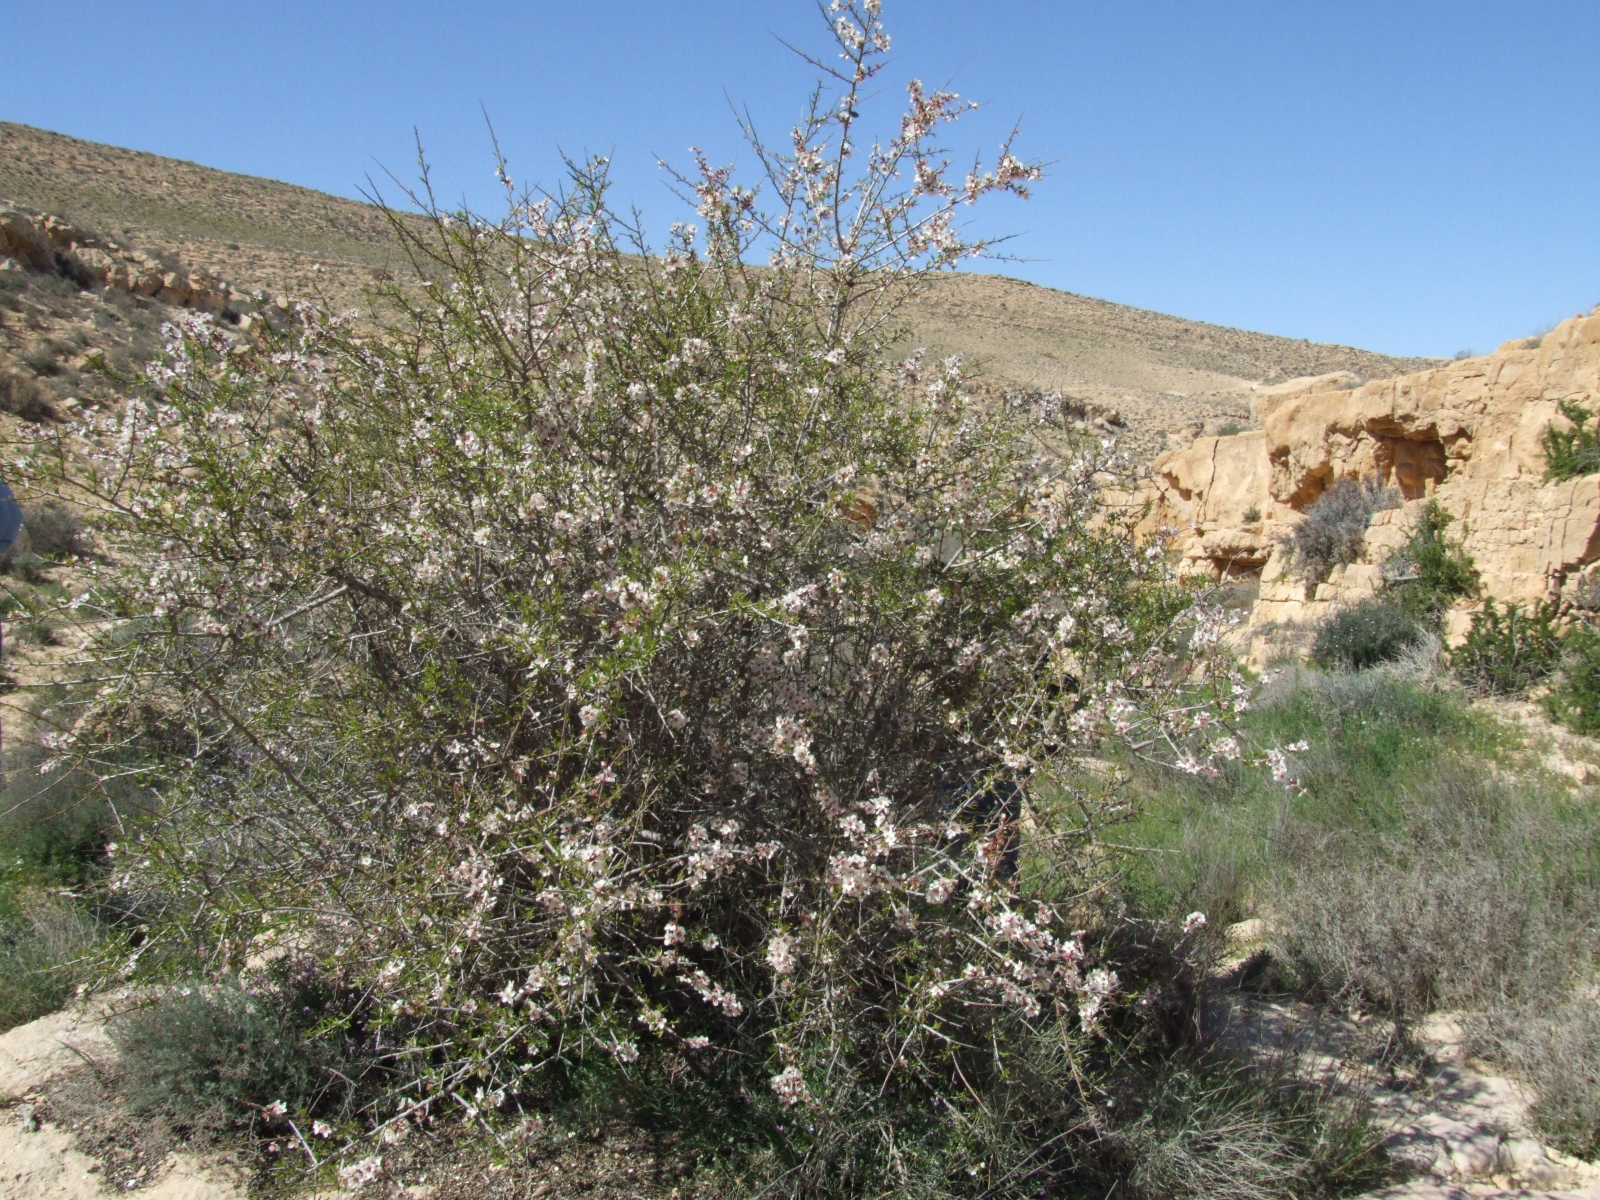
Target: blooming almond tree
[[618, 657]]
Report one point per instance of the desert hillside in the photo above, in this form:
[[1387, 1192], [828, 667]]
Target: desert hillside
[[1168, 377], [422, 782]]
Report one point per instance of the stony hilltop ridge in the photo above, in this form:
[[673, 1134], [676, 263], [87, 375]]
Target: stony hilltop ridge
[[1170, 378]]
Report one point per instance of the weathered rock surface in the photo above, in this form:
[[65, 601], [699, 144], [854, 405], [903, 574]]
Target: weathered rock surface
[[1466, 434], [44, 242]]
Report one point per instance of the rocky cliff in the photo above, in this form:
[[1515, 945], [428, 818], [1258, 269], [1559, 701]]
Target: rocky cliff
[[1466, 434]]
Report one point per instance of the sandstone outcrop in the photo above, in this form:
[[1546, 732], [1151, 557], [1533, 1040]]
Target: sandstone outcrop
[[1466, 434], [44, 242]]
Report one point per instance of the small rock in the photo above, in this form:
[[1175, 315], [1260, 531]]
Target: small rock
[[1516, 1155], [1476, 1157]]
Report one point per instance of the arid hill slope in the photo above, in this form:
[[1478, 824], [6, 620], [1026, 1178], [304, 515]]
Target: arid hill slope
[[1167, 376]]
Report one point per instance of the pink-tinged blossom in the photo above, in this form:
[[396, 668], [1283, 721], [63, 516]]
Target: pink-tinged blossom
[[780, 954], [789, 1085], [361, 1174]]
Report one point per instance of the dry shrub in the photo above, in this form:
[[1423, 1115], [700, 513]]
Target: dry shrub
[[619, 666], [24, 396], [1334, 529], [1555, 1047], [53, 530], [1479, 898], [214, 1054], [1219, 1131]]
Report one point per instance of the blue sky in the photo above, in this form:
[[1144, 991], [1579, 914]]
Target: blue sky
[[1416, 178]]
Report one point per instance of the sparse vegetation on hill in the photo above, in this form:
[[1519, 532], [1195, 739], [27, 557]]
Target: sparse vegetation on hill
[[1162, 373]]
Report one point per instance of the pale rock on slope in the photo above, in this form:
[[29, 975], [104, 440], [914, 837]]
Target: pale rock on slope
[[1466, 434]]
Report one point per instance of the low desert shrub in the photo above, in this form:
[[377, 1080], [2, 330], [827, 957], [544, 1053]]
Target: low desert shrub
[[55, 819], [23, 564], [54, 530], [1575, 450], [1401, 876], [1484, 894], [1220, 841], [209, 1053], [1508, 652], [1431, 571], [44, 358], [24, 396], [47, 944], [53, 830], [1365, 634], [1555, 1047], [1334, 529], [1574, 698]]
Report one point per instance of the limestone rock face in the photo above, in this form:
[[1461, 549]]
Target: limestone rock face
[[1465, 434], [47, 243], [22, 238]]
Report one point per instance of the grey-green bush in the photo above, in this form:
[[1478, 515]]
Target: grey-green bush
[[54, 530], [1366, 634], [1555, 1047], [24, 396], [1334, 529], [1484, 894], [213, 1053]]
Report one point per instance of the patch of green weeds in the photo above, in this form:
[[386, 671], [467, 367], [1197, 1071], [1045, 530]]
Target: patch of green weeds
[[1575, 451], [1431, 572]]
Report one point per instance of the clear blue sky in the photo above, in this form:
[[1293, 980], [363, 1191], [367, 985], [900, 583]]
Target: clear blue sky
[[1410, 177]]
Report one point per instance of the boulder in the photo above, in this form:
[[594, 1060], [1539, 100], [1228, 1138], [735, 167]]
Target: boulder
[[22, 238]]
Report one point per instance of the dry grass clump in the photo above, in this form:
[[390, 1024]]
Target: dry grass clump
[[1483, 895], [1555, 1046], [22, 395], [1334, 529]]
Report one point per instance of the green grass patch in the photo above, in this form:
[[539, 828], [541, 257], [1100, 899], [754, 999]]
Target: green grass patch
[[1412, 870], [1214, 842]]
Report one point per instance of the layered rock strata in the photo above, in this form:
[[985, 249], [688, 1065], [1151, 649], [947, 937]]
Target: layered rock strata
[[46, 243], [1466, 435]]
